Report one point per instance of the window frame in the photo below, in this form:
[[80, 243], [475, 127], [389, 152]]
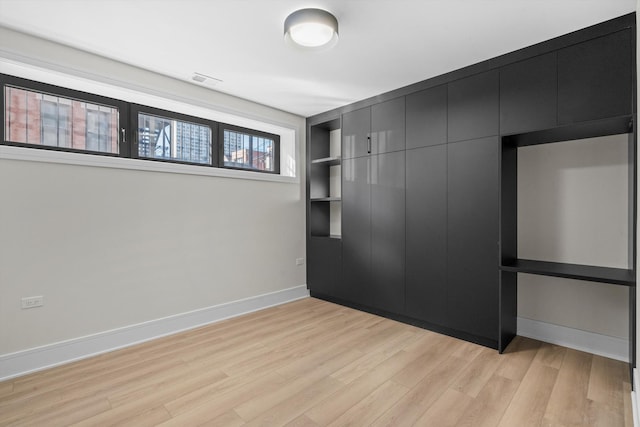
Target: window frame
[[127, 133], [136, 109], [276, 147], [75, 95]]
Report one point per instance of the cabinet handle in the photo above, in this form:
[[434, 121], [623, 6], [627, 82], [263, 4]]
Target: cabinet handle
[[369, 144]]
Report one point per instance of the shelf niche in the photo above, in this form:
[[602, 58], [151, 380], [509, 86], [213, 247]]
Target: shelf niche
[[583, 237], [325, 210]]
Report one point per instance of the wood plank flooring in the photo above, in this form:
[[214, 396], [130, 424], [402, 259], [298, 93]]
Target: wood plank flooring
[[313, 363]]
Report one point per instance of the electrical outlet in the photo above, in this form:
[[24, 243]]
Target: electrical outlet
[[32, 302], [299, 261]]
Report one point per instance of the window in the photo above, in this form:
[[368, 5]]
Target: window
[[102, 130], [249, 149], [166, 135], [39, 115], [48, 119]]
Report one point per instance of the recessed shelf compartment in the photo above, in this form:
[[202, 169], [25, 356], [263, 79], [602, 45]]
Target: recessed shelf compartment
[[325, 178], [615, 276]]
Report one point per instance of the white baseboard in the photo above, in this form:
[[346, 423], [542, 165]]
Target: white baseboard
[[590, 342], [35, 359], [634, 398]]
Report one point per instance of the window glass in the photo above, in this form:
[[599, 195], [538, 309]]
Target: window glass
[[242, 150], [41, 119], [165, 138]]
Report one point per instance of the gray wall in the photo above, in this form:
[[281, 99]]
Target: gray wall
[[108, 247]]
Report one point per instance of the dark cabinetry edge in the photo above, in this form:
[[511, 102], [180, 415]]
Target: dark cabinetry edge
[[590, 273], [325, 199], [330, 120], [332, 237], [598, 30], [580, 130]]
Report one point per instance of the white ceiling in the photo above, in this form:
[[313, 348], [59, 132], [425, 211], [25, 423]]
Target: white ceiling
[[384, 44]]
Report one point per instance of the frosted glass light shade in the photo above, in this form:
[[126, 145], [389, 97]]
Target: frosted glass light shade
[[311, 28]]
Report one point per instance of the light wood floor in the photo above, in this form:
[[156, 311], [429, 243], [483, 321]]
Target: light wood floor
[[313, 363]]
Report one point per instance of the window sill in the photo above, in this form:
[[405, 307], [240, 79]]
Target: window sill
[[80, 159]]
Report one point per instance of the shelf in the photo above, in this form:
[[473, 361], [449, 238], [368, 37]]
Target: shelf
[[325, 236], [616, 276], [326, 199], [329, 161]]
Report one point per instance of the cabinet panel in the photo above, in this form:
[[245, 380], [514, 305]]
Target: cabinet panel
[[426, 271], [356, 128], [472, 237], [356, 229], [387, 126], [529, 94], [426, 120], [473, 107], [388, 231], [324, 266], [595, 78]]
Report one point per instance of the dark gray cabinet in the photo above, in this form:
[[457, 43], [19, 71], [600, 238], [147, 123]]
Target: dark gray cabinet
[[429, 182], [356, 230], [324, 265], [388, 126], [373, 205], [472, 237], [529, 94], [426, 242], [356, 133], [595, 78], [426, 121], [473, 107], [388, 231]]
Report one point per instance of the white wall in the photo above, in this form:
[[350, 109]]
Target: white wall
[[573, 208], [109, 247]]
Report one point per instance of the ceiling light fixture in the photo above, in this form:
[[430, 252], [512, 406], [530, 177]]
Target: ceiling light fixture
[[311, 28]]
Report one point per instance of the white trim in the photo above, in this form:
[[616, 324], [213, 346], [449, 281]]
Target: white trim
[[61, 157], [36, 359], [590, 342], [634, 399]]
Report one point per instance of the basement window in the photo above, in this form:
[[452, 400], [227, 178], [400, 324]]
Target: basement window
[[44, 116], [40, 119], [249, 149]]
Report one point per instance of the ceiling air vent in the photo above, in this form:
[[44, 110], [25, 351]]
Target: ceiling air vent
[[203, 78]]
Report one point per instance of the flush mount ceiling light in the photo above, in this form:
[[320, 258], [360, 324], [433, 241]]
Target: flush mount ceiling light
[[311, 28]]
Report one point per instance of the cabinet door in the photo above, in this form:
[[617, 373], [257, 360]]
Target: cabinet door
[[595, 78], [356, 128], [387, 126], [427, 117], [472, 237], [529, 95], [356, 230], [426, 272], [324, 266], [388, 231], [473, 107]]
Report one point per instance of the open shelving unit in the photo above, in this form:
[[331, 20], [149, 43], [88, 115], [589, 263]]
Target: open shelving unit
[[511, 263], [325, 180]]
